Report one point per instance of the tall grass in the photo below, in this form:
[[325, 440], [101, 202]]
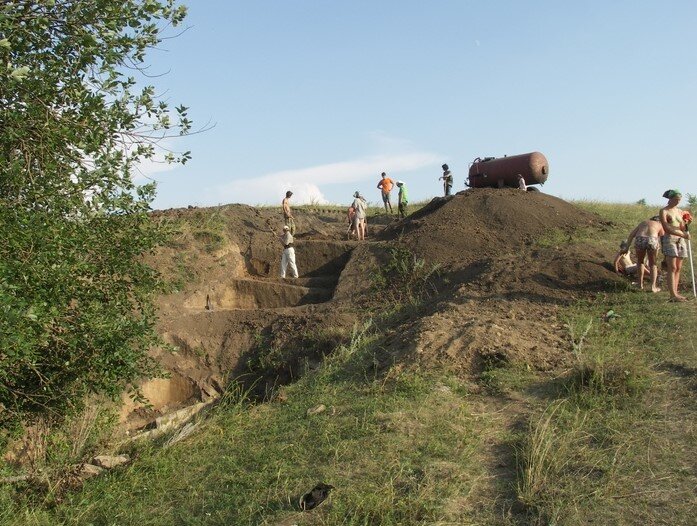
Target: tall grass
[[588, 447]]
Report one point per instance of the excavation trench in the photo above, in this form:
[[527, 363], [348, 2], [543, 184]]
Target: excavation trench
[[216, 325]]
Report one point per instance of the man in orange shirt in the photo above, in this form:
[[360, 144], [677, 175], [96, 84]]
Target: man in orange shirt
[[385, 184]]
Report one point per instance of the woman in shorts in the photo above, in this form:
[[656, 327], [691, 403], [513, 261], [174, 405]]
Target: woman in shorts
[[674, 241]]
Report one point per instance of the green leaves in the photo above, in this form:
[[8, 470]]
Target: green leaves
[[76, 312], [19, 73]]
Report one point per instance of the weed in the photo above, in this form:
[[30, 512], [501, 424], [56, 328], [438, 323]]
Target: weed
[[236, 395], [577, 340], [503, 378], [593, 381], [183, 273], [212, 240], [405, 278]]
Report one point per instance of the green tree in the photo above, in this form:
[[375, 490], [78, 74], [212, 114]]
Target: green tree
[[76, 312]]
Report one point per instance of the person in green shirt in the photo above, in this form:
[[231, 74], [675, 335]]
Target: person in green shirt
[[402, 199]]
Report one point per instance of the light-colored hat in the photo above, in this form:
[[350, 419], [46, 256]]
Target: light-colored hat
[[286, 227], [400, 183]]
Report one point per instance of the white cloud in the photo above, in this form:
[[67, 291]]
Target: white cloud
[[303, 182]]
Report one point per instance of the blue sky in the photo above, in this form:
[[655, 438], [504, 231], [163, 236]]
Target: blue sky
[[321, 96]]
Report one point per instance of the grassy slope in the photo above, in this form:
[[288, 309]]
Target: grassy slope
[[611, 441]]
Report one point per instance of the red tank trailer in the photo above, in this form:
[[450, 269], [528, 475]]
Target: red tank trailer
[[502, 172]]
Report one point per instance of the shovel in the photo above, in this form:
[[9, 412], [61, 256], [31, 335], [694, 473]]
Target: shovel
[[692, 266]]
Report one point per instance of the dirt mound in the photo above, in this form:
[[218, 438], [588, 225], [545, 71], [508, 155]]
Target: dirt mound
[[508, 260], [485, 223]]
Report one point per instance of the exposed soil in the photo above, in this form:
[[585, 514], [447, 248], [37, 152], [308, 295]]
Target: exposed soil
[[495, 297]]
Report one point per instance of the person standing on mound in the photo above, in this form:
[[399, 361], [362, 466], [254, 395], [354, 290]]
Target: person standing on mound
[[673, 242], [385, 186], [288, 256], [447, 180], [288, 218], [359, 221], [403, 199]]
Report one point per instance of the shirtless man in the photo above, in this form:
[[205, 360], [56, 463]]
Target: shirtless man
[[673, 242], [288, 219], [647, 240]]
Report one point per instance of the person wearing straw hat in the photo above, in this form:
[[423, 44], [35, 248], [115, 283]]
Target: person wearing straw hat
[[673, 242]]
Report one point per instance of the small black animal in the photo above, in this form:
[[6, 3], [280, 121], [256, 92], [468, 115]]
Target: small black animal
[[315, 496]]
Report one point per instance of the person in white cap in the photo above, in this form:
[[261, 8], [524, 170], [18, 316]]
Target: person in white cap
[[402, 199], [288, 256]]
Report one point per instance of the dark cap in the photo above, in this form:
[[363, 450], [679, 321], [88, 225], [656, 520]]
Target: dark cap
[[670, 194]]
